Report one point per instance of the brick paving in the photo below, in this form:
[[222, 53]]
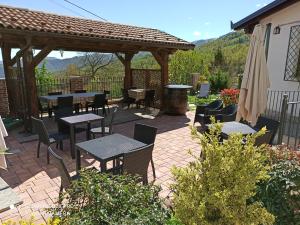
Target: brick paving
[[37, 183]]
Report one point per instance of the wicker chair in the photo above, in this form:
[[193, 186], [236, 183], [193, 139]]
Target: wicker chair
[[108, 127], [99, 102], [136, 162], [46, 138], [66, 179], [107, 93], [203, 91], [65, 102], [271, 125], [147, 135], [148, 101], [202, 110], [78, 106], [126, 99], [50, 109], [226, 114], [42, 109]]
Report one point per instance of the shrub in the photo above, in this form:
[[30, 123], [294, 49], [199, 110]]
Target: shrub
[[280, 193], [219, 81], [55, 221], [99, 198], [215, 188], [230, 96]]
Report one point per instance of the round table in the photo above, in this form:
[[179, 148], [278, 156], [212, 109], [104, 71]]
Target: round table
[[176, 99]]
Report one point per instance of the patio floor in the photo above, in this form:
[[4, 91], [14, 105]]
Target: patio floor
[[37, 183]]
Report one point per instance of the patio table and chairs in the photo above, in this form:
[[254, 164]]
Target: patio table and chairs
[[202, 109], [126, 100], [98, 102], [107, 148], [141, 96], [73, 121], [52, 98]]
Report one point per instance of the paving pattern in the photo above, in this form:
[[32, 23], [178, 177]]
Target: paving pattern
[[37, 183]]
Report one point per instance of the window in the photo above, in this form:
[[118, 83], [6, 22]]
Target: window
[[292, 68], [267, 39]]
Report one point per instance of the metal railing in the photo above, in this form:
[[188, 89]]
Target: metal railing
[[112, 84], [289, 130]]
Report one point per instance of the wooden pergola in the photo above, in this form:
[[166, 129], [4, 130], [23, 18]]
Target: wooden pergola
[[28, 30]]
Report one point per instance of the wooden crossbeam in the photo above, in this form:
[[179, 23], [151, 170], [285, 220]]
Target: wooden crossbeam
[[41, 55]]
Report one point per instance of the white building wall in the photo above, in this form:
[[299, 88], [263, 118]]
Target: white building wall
[[278, 46]]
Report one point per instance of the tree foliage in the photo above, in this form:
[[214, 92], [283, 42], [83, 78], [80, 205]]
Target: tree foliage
[[215, 189], [42, 75]]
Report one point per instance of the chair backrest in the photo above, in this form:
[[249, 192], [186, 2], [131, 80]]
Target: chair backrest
[[264, 139], [124, 93], [66, 101], [144, 133], [204, 90], [99, 100], [60, 113], [137, 161], [60, 165], [270, 124], [80, 91], [230, 109], [106, 92], [55, 93], [40, 129], [215, 105]]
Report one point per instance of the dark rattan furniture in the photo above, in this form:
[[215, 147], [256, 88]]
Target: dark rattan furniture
[[202, 110], [73, 121], [107, 148], [126, 100], [136, 162], [44, 137], [66, 179], [147, 135], [271, 125], [99, 102], [107, 125], [236, 127], [226, 114]]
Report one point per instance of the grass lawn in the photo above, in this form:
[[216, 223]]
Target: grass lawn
[[194, 101]]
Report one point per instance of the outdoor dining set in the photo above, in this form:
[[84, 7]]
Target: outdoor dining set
[[132, 155], [227, 115]]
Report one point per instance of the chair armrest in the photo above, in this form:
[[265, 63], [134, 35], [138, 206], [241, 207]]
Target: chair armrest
[[200, 109]]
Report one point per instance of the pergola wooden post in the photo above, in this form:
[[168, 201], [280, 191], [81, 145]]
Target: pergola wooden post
[[162, 58], [126, 61]]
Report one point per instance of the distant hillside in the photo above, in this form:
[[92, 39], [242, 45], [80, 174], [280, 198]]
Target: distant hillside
[[199, 43]]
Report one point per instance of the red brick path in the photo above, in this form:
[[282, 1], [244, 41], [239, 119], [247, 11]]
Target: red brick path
[[38, 183]]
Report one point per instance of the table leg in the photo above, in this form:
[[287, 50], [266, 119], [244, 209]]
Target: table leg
[[103, 128], [78, 161], [88, 137], [72, 141], [103, 166]]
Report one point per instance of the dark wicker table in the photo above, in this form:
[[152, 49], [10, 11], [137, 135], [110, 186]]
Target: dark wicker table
[[72, 121], [236, 127], [106, 148]]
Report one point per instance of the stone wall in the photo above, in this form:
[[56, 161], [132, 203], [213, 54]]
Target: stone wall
[[76, 83], [4, 108]]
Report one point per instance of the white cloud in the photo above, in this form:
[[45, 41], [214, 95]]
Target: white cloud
[[207, 23], [261, 5], [197, 33]]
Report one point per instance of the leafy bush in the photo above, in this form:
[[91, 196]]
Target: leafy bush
[[230, 96], [280, 193], [215, 188], [55, 221], [219, 81], [99, 198]]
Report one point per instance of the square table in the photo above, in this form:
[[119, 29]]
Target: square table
[[236, 127], [137, 94], [107, 148], [72, 121]]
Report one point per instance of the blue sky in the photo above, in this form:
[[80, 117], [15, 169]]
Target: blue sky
[[187, 19]]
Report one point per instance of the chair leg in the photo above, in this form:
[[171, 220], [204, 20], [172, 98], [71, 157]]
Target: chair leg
[[61, 145], [48, 156], [38, 150], [153, 168]]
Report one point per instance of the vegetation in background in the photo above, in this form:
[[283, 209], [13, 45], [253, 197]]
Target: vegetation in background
[[42, 75], [215, 188], [280, 193], [218, 81], [192, 99], [101, 198]]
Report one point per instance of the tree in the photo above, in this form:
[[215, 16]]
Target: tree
[[72, 70], [92, 62]]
